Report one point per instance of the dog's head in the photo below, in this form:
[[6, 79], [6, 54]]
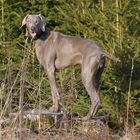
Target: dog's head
[[35, 25]]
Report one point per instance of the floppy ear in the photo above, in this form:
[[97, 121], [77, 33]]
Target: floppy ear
[[43, 23], [24, 21]]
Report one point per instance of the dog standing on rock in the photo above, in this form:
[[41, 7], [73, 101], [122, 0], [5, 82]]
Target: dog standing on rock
[[55, 50]]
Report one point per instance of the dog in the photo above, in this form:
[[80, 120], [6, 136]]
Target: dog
[[56, 50]]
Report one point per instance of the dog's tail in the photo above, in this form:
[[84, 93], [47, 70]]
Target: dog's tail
[[112, 57]]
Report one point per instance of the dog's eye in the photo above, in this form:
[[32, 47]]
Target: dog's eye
[[28, 20], [36, 22]]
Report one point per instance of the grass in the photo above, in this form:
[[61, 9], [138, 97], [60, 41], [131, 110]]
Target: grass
[[44, 128]]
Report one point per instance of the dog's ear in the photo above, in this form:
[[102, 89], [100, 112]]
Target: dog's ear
[[24, 21], [43, 23]]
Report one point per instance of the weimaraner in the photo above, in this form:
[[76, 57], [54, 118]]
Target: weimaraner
[[55, 50]]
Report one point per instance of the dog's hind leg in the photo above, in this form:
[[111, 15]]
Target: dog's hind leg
[[91, 73]]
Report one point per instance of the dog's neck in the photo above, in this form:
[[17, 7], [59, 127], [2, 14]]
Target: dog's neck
[[44, 35]]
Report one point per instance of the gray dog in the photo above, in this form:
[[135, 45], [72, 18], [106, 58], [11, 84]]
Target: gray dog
[[55, 50]]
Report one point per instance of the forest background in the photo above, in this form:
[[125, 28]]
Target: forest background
[[114, 24]]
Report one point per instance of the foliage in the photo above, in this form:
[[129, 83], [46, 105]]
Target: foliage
[[115, 28]]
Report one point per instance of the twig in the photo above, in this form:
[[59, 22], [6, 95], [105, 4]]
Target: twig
[[129, 95], [22, 88]]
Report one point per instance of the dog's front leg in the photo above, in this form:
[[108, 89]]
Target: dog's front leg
[[54, 91]]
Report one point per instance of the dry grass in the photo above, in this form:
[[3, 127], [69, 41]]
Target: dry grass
[[86, 131], [67, 130]]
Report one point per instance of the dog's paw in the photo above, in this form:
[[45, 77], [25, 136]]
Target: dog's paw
[[53, 109]]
